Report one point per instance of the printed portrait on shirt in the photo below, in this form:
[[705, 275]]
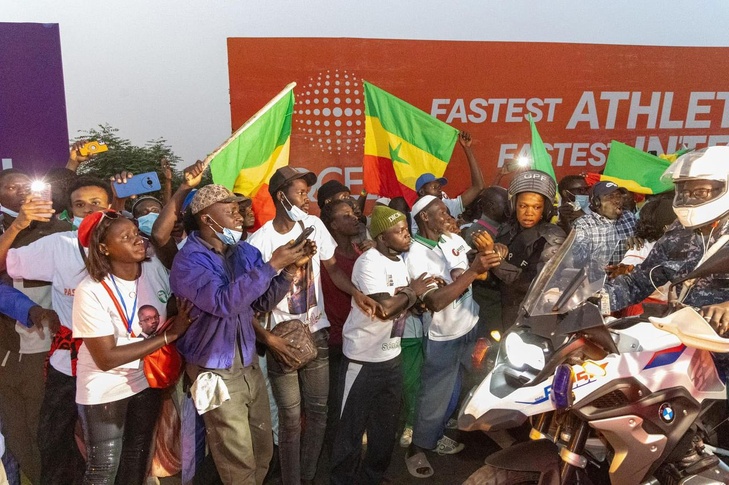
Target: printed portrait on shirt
[[148, 320], [302, 295]]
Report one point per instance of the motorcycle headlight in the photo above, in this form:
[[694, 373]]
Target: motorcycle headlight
[[521, 351]]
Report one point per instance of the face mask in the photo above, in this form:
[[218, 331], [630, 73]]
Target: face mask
[[229, 237], [295, 213], [77, 221], [583, 201], [146, 222], [9, 212]]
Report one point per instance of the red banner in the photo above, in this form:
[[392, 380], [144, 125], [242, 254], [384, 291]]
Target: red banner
[[581, 97]]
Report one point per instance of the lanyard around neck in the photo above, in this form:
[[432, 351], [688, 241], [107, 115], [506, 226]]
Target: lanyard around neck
[[128, 316]]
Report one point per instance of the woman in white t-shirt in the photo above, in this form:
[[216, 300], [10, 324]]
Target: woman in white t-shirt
[[117, 408]]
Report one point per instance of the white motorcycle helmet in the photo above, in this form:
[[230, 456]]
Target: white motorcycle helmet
[[708, 164]]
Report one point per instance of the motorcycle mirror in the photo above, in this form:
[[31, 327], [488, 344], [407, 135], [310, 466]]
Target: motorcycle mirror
[[717, 263]]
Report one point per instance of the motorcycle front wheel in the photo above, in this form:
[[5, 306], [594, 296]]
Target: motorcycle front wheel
[[489, 475]]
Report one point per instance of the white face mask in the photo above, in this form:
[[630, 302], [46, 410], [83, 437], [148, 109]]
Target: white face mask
[[9, 212], [230, 237], [77, 221], [295, 213]]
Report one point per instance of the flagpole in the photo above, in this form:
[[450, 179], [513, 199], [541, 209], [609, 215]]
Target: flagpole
[[248, 123]]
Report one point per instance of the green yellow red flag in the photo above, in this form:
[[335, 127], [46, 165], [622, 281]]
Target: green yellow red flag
[[540, 157], [672, 157], [635, 170], [402, 142], [246, 161]]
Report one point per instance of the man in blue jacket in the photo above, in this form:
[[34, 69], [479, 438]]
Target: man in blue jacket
[[228, 281], [17, 306]]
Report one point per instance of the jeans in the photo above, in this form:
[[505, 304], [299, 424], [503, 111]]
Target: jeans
[[61, 461], [443, 360], [118, 438], [299, 456]]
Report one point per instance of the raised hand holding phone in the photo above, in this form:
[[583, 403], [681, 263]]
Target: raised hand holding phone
[[126, 186]]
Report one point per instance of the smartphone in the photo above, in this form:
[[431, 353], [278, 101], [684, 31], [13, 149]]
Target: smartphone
[[306, 233], [139, 184], [41, 190], [92, 148], [164, 326]]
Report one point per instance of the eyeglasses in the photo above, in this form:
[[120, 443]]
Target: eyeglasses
[[697, 194], [110, 214], [149, 319]]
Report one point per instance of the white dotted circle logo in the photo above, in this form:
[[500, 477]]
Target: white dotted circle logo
[[329, 112]]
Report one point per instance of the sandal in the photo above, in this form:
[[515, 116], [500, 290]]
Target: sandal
[[417, 463]]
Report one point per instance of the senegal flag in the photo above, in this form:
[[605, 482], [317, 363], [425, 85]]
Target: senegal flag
[[635, 170], [401, 143], [246, 161]]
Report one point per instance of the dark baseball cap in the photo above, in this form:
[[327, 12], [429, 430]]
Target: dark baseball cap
[[286, 174], [603, 188]]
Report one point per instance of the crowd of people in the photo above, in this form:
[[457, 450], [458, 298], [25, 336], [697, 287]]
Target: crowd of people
[[392, 303]]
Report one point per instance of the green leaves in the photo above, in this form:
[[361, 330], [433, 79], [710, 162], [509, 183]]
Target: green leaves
[[123, 155]]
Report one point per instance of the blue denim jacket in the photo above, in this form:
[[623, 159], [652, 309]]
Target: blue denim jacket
[[226, 289]]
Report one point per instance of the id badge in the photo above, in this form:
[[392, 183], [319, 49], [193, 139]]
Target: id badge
[[135, 364]]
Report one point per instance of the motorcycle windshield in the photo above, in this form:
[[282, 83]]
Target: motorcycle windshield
[[572, 276]]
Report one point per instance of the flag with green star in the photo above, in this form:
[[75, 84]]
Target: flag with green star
[[402, 142]]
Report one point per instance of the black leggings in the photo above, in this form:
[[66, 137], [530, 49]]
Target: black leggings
[[119, 437]]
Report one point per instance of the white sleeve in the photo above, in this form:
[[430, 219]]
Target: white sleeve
[[90, 317], [36, 261], [410, 265], [455, 253], [259, 241], [369, 276], [455, 206], [325, 243]]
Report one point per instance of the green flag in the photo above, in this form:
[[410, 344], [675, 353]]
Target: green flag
[[636, 170], [542, 160]]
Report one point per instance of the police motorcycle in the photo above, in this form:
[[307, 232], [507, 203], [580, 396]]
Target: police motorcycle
[[627, 401]]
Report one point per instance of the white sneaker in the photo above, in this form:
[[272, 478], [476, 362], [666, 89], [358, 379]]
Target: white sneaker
[[406, 438], [447, 446]]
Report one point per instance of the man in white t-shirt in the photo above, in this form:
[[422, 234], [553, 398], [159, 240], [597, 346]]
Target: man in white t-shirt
[[449, 330], [58, 259], [289, 189], [370, 380]]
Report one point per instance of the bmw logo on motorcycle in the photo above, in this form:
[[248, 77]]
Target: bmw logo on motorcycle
[[666, 413]]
